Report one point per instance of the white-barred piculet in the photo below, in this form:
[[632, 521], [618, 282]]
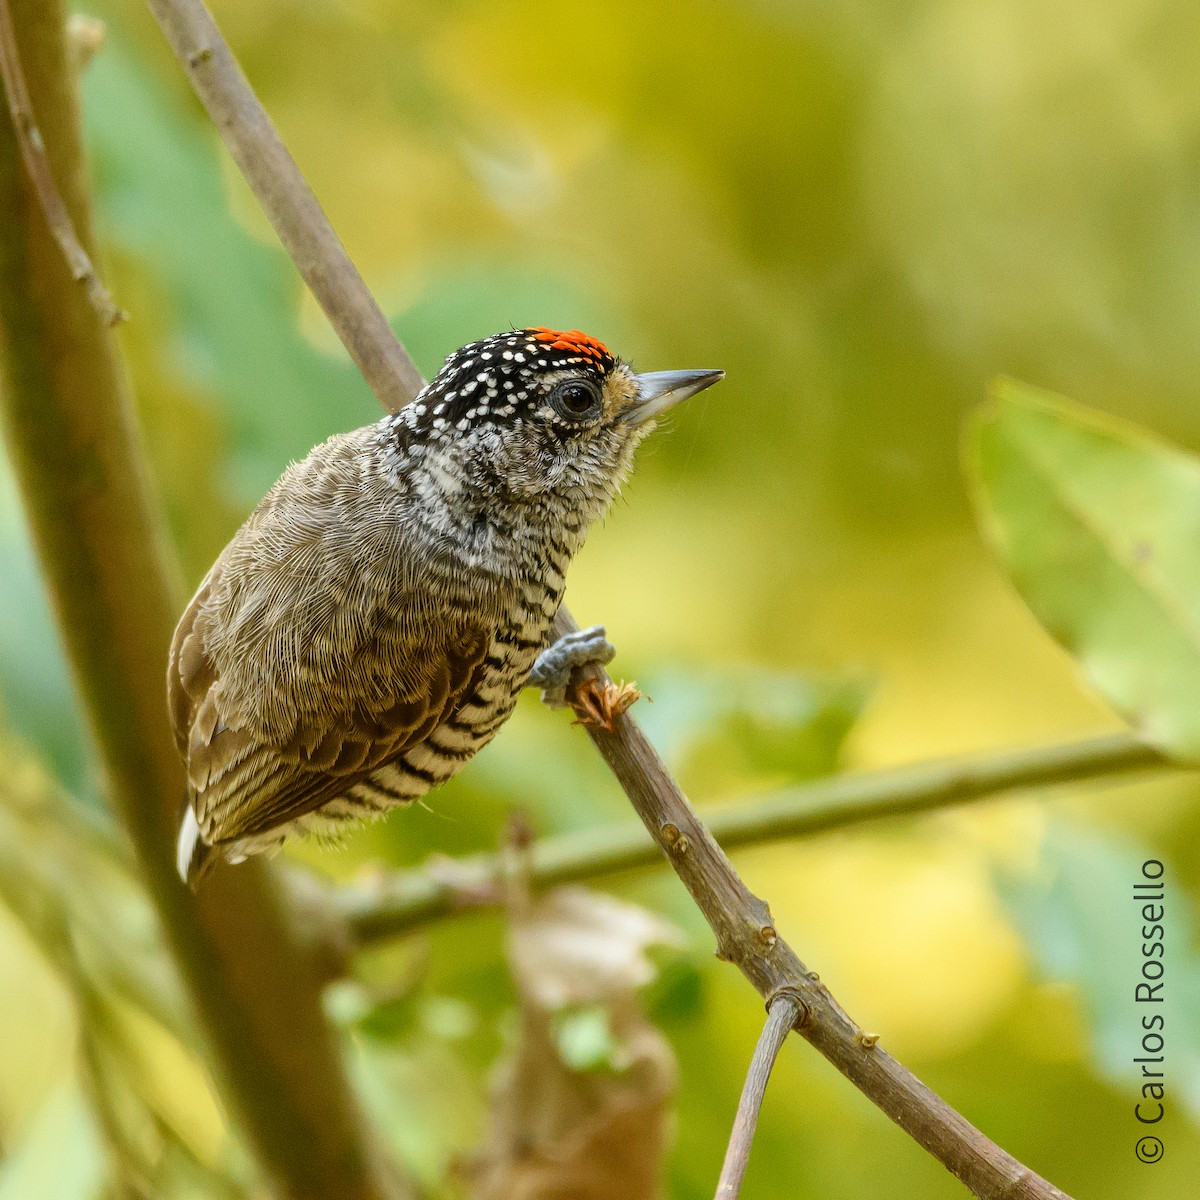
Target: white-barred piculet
[[369, 627]]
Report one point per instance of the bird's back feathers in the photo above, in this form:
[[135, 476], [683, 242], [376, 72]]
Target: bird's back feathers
[[279, 711]]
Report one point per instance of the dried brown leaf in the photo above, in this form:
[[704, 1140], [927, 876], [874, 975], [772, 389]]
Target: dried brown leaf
[[575, 947], [561, 1133], [598, 703]]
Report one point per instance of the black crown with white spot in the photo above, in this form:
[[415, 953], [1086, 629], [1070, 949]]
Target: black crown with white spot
[[503, 377]]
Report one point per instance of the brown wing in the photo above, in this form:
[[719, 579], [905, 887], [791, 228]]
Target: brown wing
[[241, 785]]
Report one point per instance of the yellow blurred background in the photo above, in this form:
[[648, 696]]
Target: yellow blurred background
[[863, 211]]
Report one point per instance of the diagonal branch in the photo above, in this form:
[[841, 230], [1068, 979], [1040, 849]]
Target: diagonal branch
[[33, 152], [746, 936], [288, 201], [740, 920], [407, 900]]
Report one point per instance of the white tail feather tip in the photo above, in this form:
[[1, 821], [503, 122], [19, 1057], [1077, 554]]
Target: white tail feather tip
[[189, 835]]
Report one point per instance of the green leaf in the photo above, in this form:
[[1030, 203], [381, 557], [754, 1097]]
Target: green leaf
[[37, 701], [1084, 925], [59, 1158], [720, 727], [1099, 526], [678, 993], [423, 1101], [585, 1039]]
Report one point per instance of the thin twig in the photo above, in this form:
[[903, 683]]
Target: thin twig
[[33, 153], [782, 1014], [741, 922], [407, 900], [288, 201]]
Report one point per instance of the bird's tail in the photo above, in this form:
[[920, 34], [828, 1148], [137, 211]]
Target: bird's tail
[[193, 855]]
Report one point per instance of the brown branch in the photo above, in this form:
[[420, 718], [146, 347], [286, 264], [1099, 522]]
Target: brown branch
[[782, 1014], [287, 200], [33, 153], [71, 436], [741, 921], [407, 900], [746, 936]]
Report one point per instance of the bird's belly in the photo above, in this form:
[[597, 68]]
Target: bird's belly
[[452, 744], [439, 757], [473, 722]]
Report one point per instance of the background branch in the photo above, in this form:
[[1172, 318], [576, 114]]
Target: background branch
[[407, 900], [71, 435], [740, 920], [33, 152]]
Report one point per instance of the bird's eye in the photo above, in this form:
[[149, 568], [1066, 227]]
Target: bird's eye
[[577, 399]]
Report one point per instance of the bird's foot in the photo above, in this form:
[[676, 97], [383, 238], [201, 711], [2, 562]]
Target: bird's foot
[[552, 670]]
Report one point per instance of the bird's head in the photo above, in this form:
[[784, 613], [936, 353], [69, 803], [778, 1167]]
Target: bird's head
[[537, 413]]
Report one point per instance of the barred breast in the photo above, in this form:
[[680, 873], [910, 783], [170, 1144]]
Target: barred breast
[[476, 719]]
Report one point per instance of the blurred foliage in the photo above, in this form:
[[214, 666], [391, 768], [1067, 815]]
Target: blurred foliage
[[720, 729], [136, 1113], [38, 703], [1070, 910], [863, 213]]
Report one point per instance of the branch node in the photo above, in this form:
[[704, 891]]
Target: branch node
[[787, 992], [198, 57], [674, 838], [868, 1041]]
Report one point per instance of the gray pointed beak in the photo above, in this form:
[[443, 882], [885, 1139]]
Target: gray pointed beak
[[661, 390]]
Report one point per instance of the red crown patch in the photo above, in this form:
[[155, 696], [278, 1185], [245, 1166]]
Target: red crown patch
[[574, 341]]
